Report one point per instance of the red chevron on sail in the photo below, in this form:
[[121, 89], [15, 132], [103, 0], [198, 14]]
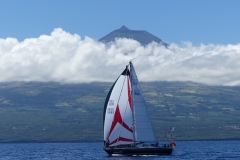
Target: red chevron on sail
[[118, 119], [121, 139]]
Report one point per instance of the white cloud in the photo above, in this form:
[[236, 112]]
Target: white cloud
[[65, 57]]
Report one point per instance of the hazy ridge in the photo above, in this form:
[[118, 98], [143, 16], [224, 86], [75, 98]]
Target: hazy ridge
[[48, 112]]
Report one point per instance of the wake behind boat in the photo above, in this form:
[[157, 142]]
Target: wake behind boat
[[127, 126]]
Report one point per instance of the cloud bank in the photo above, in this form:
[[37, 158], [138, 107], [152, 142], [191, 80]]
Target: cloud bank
[[67, 58]]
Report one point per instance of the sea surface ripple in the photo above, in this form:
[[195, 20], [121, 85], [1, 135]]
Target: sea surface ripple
[[227, 149]]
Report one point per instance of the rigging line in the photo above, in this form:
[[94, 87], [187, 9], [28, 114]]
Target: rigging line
[[133, 106], [133, 86]]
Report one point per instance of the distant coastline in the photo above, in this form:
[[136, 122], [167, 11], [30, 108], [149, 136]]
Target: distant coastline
[[90, 141]]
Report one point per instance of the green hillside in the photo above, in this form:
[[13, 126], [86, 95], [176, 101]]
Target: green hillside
[[49, 112]]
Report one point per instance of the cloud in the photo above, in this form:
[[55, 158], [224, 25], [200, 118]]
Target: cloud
[[67, 58]]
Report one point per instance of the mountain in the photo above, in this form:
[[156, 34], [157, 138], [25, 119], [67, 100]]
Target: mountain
[[53, 112], [143, 37]]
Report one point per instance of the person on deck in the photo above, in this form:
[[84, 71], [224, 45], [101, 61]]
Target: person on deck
[[107, 142]]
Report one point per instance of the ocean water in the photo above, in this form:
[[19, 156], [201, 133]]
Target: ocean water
[[94, 150]]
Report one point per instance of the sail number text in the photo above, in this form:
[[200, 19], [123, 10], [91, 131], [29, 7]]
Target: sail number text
[[110, 110], [111, 103]]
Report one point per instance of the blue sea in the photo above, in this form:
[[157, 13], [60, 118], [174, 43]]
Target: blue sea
[[94, 150]]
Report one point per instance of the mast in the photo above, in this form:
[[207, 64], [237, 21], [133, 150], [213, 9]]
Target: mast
[[133, 109]]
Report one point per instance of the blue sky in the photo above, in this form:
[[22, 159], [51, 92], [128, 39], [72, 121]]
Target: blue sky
[[174, 21], [47, 40]]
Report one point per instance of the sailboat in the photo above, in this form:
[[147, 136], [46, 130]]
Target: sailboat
[[127, 126]]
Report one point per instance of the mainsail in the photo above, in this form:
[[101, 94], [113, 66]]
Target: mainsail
[[126, 119], [142, 124]]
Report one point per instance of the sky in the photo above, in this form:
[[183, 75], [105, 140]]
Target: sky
[[58, 40]]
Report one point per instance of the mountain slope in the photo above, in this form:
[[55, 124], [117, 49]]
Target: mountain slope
[[143, 37], [73, 112]]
